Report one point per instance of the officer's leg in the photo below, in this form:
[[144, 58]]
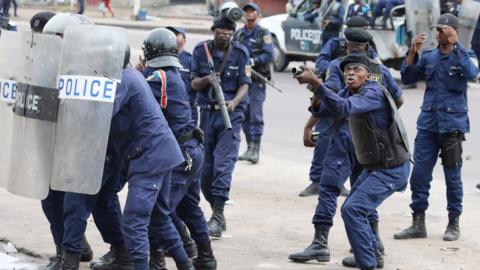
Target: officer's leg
[[163, 233], [52, 207], [246, 127], [370, 190], [77, 209], [207, 125], [190, 212], [451, 154], [225, 155], [141, 198], [425, 156], [257, 98]]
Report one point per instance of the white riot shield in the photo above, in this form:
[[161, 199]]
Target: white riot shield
[[31, 157], [91, 66], [468, 17], [9, 72], [421, 16]]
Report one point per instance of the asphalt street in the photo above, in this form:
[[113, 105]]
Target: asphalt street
[[268, 220]]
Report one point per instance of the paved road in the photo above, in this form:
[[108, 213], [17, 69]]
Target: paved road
[[268, 220]]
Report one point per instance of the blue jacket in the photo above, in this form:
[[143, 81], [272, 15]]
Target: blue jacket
[[236, 73], [186, 61], [444, 107], [258, 43], [358, 10], [139, 134]]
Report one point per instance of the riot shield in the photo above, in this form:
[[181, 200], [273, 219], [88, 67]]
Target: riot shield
[[468, 17], [31, 157], [9, 72], [421, 15], [90, 68]]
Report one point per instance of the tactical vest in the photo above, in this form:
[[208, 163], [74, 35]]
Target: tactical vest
[[377, 148], [263, 69]]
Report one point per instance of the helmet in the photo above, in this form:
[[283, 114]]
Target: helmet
[[160, 49], [231, 11], [57, 24], [38, 21]]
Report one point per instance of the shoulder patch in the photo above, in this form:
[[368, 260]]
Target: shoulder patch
[[160, 74], [267, 39]]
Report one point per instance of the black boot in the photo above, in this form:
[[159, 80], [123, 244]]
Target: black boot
[[157, 260], [56, 261], [217, 222], [255, 153], [350, 261], [376, 232], [416, 230], [107, 258], [87, 253], [187, 265], [453, 228], [71, 261], [247, 153], [121, 260], [311, 190], [344, 191], [188, 244], [317, 250], [205, 259]]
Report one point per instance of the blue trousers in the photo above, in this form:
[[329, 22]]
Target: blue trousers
[[106, 212], [387, 5], [253, 124], [316, 167], [425, 156], [337, 167], [371, 188], [52, 207], [144, 195], [221, 151], [184, 200]]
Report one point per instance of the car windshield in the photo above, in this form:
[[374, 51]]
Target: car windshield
[[303, 7]]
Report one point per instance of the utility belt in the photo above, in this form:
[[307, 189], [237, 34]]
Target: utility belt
[[214, 106], [195, 134]]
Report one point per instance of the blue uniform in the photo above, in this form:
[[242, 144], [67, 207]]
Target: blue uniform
[[373, 186], [476, 40], [335, 17], [186, 61], [221, 145], [258, 42], [185, 184], [443, 114], [140, 136], [339, 160], [358, 10]]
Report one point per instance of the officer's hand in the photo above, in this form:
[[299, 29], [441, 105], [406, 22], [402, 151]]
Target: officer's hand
[[308, 76], [315, 103], [231, 105], [307, 137], [418, 42], [140, 67], [208, 80], [451, 34]]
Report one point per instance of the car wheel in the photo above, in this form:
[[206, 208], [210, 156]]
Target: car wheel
[[280, 61]]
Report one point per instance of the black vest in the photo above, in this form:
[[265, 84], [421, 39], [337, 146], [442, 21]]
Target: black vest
[[377, 148]]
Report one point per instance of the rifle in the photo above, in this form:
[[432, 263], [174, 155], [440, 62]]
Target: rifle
[[265, 80], [218, 89]]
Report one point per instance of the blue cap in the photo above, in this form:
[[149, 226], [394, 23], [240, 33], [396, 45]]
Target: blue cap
[[177, 30], [252, 5]]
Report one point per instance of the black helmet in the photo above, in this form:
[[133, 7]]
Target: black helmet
[[160, 49]]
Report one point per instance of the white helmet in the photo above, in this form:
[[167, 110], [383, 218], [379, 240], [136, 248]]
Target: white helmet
[[57, 24]]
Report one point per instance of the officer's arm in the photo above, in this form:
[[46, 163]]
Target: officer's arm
[[244, 78], [266, 56], [198, 83], [468, 62], [201, 83], [392, 86], [337, 20], [334, 78], [412, 72], [364, 101], [324, 57]]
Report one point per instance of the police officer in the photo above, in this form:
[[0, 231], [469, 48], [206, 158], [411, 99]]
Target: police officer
[[335, 48], [161, 52], [385, 6], [340, 162], [358, 8], [185, 58], [332, 20], [232, 62], [442, 123], [373, 121], [258, 41], [38, 21], [53, 205]]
